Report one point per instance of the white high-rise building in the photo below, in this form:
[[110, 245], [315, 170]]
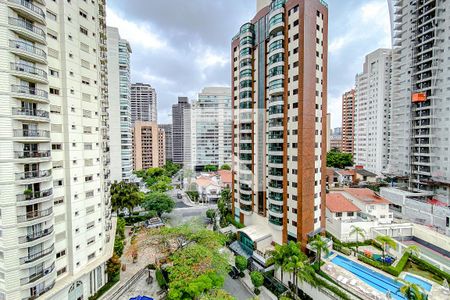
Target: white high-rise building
[[420, 132], [143, 103], [372, 112], [210, 129], [119, 96], [55, 219]]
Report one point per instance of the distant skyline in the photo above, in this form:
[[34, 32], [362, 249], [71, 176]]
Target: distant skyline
[[180, 47]]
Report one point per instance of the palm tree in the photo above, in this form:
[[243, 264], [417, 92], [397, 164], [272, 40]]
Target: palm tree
[[298, 264], [279, 258], [412, 249], [386, 241], [359, 232], [320, 246], [412, 291]]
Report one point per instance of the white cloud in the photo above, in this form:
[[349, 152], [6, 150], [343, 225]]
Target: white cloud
[[139, 34]]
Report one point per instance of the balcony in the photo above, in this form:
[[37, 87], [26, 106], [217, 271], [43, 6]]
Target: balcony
[[28, 9], [33, 257], [32, 175], [31, 135], [34, 215], [27, 29], [277, 223], [26, 114], [32, 155], [28, 51], [29, 93], [36, 276], [36, 235], [276, 22], [34, 196], [29, 73]]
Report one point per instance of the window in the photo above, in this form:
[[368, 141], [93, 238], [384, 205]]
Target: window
[[58, 182], [83, 14], [53, 73], [51, 15], [88, 178], [61, 271], [350, 214], [83, 30], [60, 253], [338, 214], [56, 146], [85, 80], [59, 200], [91, 256], [54, 91]]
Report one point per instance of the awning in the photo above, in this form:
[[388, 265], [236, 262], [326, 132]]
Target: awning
[[141, 298], [237, 248], [256, 233]]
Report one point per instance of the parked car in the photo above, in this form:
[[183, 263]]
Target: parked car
[[234, 272], [179, 196]]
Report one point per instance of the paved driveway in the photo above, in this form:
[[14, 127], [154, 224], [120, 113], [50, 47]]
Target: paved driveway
[[236, 288]]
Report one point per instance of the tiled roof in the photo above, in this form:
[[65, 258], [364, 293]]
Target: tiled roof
[[367, 195], [336, 202], [225, 176]]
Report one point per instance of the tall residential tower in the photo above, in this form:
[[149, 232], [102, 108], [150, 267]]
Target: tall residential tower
[[348, 121], [279, 99], [119, 96], [54, 163], [178, 129], [143, 103]]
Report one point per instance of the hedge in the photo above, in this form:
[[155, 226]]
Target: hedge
[[429, 267], [395, 271], [342, 249], [137, 219], [234, 222], [160, 279], [193, 195], [105, 288], [333, 288]]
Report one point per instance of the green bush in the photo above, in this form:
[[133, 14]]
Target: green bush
[[120, 230], [161, 279], [105, 288], [194, 195], [430, 268], [394, 271], [237, 224], [118, 246], [241, 263], [333, 288]]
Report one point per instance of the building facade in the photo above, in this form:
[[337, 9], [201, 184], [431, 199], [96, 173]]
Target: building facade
[[279, 100], [178, 129], [119, 96], [143, 103], [54, 163], [348, 122], [169, 141], [421, 103], [336, 139], [148, 146], [210, 133], [373, 112]]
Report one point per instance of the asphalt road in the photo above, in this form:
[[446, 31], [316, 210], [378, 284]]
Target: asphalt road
[[236, 288]]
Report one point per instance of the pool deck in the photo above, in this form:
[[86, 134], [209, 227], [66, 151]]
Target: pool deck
[[364, 290]]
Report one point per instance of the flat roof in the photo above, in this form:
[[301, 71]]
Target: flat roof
[[256, 233]]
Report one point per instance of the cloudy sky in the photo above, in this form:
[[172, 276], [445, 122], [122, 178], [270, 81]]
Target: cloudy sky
[[181, 46]]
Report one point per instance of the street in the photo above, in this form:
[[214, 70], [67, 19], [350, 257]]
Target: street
[[236, 288]]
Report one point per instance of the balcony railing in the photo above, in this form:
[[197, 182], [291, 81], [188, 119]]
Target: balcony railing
[[27, 48], [35, 235], [33, 8], [33, 215], [35, 256], [21, 111], [28, 69], [26, 25], [19, 89], [31, 133], [32, 154], [34, 195], [38, 275], [33, 174]]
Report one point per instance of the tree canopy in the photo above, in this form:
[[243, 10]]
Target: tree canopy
[[225, 167], [210, 168], [337, 159], [159, 202], [125, 195]]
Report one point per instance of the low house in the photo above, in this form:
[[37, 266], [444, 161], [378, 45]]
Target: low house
[[345, 177], [208, 188], [370, 203], [362, 175], [225, 178]]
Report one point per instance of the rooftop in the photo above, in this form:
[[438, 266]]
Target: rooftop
[[364, 172], [225, 176], [366, 195], [336, 202]]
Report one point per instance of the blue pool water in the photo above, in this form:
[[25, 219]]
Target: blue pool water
[[374, 279], [413, 279]]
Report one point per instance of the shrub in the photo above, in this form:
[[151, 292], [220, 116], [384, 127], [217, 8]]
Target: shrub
[[194, 195], [394, 271], [429, 267], [237, 224], [241, 263], [118, 246], [105, 288], [161, 279], [333, 288], [257, 280]]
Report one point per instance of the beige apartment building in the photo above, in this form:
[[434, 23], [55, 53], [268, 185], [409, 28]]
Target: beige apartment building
[[148, 146]]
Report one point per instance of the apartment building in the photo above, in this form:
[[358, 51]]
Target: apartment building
[[178, 129], [148, 146], [55, 220], [119, 96], [348, 122], [169, 141], [143, 103], [373, 112], [279, 101], [336, 139], [210, 129], [421, 103]]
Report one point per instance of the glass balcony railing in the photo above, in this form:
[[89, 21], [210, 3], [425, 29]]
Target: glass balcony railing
[[21, 111], [35, 256], [32, 154], [276, 196], [26, 25], [33, 174], [20, 67], [19, 89], [276, 221], [35, 235], [31, 133], [34, 195], [31, 7], [38, 275], [276, 208], [33, 215], [26, 47]]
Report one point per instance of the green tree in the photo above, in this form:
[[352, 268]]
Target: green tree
[[162, 185], [337, 159], [241, 263], [257, 280], [279, 257], [359, 232], [412, 249], [113, 266], [171, 168], [210, 168], [298, 265], [159, 202], [125, 195], [412, 291], [211, 215], [385, 242], [217, 294], [224, 204], [320, 246], [225, 167]]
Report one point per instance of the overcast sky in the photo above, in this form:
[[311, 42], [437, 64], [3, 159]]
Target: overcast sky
[[181, 46]]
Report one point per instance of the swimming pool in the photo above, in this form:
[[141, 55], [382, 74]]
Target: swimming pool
[[424, 284], [375, 279]]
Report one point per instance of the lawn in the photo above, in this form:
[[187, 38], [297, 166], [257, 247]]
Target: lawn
[[411, 267]]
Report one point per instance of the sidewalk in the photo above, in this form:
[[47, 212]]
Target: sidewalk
[[265, 293]]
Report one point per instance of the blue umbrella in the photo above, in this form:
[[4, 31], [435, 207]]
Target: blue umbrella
[[141, 298]]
